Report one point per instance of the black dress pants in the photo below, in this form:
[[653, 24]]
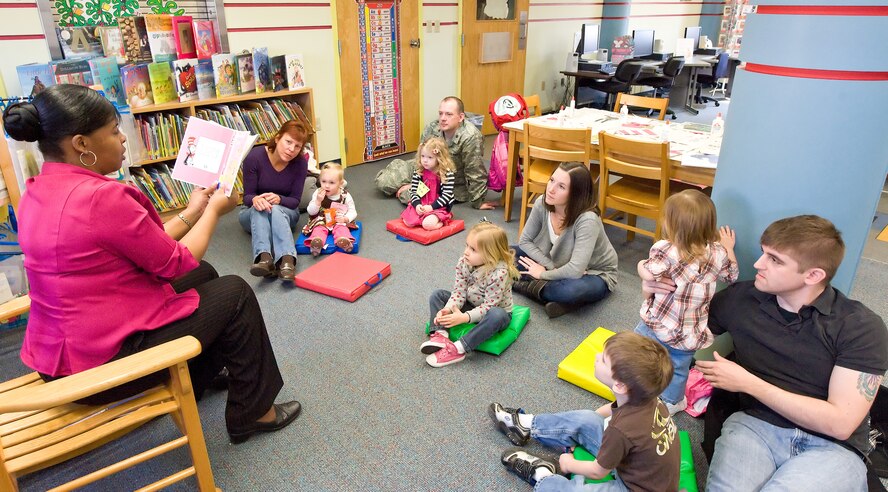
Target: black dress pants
[[229, 325]]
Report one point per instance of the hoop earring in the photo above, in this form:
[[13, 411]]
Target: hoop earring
[[93, 154]]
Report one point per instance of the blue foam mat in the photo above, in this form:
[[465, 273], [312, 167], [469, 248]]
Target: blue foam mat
[[329, 247]]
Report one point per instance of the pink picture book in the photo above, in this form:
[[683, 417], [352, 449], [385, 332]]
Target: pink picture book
[[211, 153]]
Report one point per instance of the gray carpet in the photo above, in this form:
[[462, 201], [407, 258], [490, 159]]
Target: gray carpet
[[376, 417]]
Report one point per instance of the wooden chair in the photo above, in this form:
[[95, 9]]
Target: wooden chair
[[533, 105], [660, 104], [41, 426], [643, 169], [544, 149]]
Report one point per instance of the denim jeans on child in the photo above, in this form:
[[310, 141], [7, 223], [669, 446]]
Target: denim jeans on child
[[566, 430], [272, 231], [752, 454], [681, 365], [494, 321], [587, 289]]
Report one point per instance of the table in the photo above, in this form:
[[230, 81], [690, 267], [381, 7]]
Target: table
[[683, 143]]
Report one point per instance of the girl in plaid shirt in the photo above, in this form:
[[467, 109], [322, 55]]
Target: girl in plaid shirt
[[482, 294], [695, 254]]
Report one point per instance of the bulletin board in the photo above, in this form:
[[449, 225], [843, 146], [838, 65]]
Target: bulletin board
[[381, 67]]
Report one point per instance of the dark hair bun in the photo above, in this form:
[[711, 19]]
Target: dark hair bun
[[22, 122]]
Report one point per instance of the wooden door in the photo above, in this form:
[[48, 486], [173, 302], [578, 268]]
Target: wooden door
[[481, 83], [369, 91]]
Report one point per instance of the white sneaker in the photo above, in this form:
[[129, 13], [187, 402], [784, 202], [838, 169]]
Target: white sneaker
[[674, 408]]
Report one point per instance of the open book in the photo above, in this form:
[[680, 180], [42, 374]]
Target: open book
[[211, 153]]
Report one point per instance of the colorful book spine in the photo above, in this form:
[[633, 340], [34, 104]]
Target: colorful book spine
[[135, 39], [161, 76], [246, 75], [106, 73], [183, 34], [137, 84], [34, 78], [186, 79], [205, 38], [295, 71], [278, 73], [225, 74], [206, 84], [262, 70], [160, 37], [72, 72]]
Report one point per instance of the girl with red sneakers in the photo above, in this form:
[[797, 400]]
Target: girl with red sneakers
[[482, 294]]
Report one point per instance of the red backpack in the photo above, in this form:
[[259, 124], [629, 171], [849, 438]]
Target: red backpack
[[506, 109]]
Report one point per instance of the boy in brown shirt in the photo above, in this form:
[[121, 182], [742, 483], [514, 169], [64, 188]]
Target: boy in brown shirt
[[634, 436]]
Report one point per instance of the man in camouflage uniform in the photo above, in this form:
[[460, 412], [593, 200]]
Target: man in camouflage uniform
[[465, 143]]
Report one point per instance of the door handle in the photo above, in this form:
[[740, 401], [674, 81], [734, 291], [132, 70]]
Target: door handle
[[414, 43]]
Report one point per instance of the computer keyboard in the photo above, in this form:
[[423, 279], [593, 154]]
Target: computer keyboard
[[608, 71]]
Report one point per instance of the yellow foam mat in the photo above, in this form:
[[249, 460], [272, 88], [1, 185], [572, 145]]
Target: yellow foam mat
[[579, 366], [883, 236]]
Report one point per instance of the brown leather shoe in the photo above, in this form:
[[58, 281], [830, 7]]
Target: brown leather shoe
[[264, 266], [287, 268]]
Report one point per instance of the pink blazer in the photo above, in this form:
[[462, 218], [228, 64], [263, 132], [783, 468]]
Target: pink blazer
[[99, 264]]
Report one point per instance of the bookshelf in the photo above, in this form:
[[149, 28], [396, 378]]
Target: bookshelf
[[159, 129]]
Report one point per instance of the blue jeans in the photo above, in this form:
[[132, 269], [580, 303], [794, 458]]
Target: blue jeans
[[566, 430], [681, 364], [587, 289], [494, 321], [752, 454], [272, 231]]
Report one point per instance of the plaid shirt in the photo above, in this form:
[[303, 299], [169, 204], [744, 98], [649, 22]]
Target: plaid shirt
[[680, 319]]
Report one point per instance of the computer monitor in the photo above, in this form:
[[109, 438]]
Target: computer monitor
[[644, 42], [694, 33], [588, 39]]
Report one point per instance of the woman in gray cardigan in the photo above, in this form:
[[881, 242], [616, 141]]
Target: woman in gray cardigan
[[563, 253]]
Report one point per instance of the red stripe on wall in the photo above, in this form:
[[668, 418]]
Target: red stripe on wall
[[443, 23], [822, 10], [600, 4], [18, 5], [808, 73], [440, 5], [565, 19], [284, 28], [280, 4], [20, 37]]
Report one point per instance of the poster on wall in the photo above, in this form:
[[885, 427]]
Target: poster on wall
[[381, 71]]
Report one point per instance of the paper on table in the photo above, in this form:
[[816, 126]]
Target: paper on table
[[699, 160]]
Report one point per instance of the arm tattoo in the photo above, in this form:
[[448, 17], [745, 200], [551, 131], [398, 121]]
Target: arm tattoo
[[868, 385]]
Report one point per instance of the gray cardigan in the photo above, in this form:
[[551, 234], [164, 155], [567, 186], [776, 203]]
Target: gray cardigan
[[582, 250]]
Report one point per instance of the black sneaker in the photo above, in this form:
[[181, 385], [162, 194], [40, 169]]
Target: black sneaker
[[524, 465], [510, 425]]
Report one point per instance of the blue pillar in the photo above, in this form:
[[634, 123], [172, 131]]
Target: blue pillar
[[614, 22], [806, 133], [710, 21]]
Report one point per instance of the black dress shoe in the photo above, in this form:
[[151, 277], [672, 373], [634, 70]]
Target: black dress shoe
[[284, 415], [557, 309]]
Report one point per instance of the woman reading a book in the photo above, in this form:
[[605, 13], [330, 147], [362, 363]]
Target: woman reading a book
[[274, 176], [109, 279]]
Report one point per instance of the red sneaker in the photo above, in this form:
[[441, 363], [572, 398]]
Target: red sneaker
[[446, 356], [436, 342]]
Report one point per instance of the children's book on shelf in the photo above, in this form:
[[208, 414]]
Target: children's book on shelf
[[34, 78], [137, 85], [262, 70], [161, 76], [135, 39], [225, 74], [74, 71], [112, 43], [160, 133], [205, 38], [211, 153], [278, 73], [160, 37], [206, 84], [106, 73], [183, 34], [295, 71], [246, 77], [186, 79], [80, 42]]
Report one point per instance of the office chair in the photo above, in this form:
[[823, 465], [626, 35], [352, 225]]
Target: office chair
[[662, 83], [710, 80], [622, 80]]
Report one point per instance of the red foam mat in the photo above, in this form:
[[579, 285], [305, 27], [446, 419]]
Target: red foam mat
[[422, 236], [344, 276]]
